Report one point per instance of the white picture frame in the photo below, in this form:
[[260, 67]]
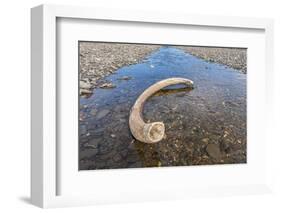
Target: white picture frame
[[44, 153]]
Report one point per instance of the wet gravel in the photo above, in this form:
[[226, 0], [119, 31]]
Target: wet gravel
[[98, 60], [233, 57]]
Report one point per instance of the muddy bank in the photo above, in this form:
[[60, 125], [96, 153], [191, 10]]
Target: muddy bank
[[98, 60], [233, 57]]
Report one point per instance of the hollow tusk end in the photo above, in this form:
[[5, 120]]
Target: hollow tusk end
[[154, 132]]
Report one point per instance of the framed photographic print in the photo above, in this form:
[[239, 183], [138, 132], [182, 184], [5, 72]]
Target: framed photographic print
[[129, 106]]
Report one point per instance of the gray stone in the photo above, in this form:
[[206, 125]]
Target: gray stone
[[94, 143], [131, 146], [132, 158], [124, 152], [135, 165], [85, 85], [213, 151], [83, 129], [88, 153], [102, 113], [93, 112], [117, 157], [125, 78], [100, 164]]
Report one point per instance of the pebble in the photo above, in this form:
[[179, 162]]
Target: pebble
[[125, 78], [226, 146], [94, 112], [135, 165], [102, 113], [94, 143], [131, 146], [117, 157], [124, 152], [107, 86], [214, 151], [205, 140], [132, 158], [85, 85], [88, 153], [83, 129], [100, 164]]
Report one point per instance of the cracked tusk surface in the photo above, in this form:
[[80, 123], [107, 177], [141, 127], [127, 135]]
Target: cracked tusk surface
[[155, 131]]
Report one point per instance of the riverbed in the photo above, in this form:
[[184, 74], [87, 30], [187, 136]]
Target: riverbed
[[205, 125]]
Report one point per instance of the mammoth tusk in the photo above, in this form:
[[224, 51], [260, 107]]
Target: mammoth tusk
[[151, 132]]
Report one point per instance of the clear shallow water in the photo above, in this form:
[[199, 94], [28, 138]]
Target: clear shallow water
[[206, 125]]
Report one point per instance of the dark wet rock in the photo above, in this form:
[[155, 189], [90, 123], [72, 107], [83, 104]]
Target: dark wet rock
[[135, 165], [124, 152], [132, 158], [126, 78], [214, 151], [88, 153], [236, 147], [131, 146], [108, 155], [226, 143], [85, 164], [182, 94], [100, 164], [117, 157], [93, 111], [84, 140], [122, 120], [94, 143], [102, 113], [104, 149], [225, 146], [118, 108], [83, 129]]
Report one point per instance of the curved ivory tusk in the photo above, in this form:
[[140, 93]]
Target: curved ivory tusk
[[151, 132]]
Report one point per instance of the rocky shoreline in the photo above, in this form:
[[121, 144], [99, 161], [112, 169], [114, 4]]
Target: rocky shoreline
[[232, 57], [98, 60]]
